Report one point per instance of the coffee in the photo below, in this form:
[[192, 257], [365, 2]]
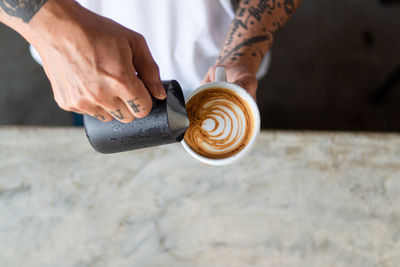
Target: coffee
[[221, 123]]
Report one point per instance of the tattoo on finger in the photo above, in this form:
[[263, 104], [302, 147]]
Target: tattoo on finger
[[134, 106], [117, 114], [100, 117]]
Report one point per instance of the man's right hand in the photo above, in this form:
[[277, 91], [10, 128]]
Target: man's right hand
[[95, 65]]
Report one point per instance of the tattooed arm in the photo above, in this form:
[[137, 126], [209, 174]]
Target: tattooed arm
[[23, 9], [95, 65], [250, 36]]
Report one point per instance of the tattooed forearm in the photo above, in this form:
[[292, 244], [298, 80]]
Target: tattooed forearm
[[252, 31], [23, 9], [246, 42]]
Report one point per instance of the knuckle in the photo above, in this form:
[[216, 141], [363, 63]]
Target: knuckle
[[136, 83], [94, 96], [126, 90], [111, 104], [64, 105], [114, 81], [122, 86], [140, 38], [60, 102], [120, 74]]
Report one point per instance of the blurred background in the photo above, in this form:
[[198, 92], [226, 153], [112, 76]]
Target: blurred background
[[335, 66]]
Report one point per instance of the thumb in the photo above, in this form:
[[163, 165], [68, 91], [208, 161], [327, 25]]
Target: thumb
[[207, 78]]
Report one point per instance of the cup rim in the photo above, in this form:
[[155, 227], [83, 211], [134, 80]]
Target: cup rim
[[256, 114]]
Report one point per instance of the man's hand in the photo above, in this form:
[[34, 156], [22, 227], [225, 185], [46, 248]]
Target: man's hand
[[239, 75], [95, 65], [250, 36]]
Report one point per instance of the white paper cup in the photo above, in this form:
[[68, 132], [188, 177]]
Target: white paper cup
[[220, 77]]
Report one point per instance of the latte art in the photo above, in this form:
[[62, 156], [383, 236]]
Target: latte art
[[221, 123]]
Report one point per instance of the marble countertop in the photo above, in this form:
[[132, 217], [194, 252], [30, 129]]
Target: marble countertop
[[299, 199]]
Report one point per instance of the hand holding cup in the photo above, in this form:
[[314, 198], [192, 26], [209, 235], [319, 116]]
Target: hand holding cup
[[224, 122]]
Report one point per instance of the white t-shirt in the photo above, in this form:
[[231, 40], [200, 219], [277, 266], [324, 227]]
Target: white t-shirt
[[184, 36]]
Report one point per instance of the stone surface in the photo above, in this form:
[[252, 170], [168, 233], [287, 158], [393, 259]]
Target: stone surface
[[299, 199]]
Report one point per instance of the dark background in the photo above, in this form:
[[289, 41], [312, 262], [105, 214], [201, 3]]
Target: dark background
[[335, 66]]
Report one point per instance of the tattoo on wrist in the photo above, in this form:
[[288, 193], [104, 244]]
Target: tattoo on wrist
[[134, 106], [23, 9], [117, 114], [100, 117]]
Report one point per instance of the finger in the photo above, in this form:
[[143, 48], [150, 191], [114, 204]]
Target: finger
[[99, 113], [146, 67], [130, 93], [122, 114], [137, 100], [102, 116], [207, 78], [118, 111]]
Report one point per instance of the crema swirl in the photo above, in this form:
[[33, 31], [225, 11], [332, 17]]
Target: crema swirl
[[221, 123]]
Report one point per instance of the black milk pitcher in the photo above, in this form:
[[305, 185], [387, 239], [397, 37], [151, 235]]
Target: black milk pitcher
[[166, 123]]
